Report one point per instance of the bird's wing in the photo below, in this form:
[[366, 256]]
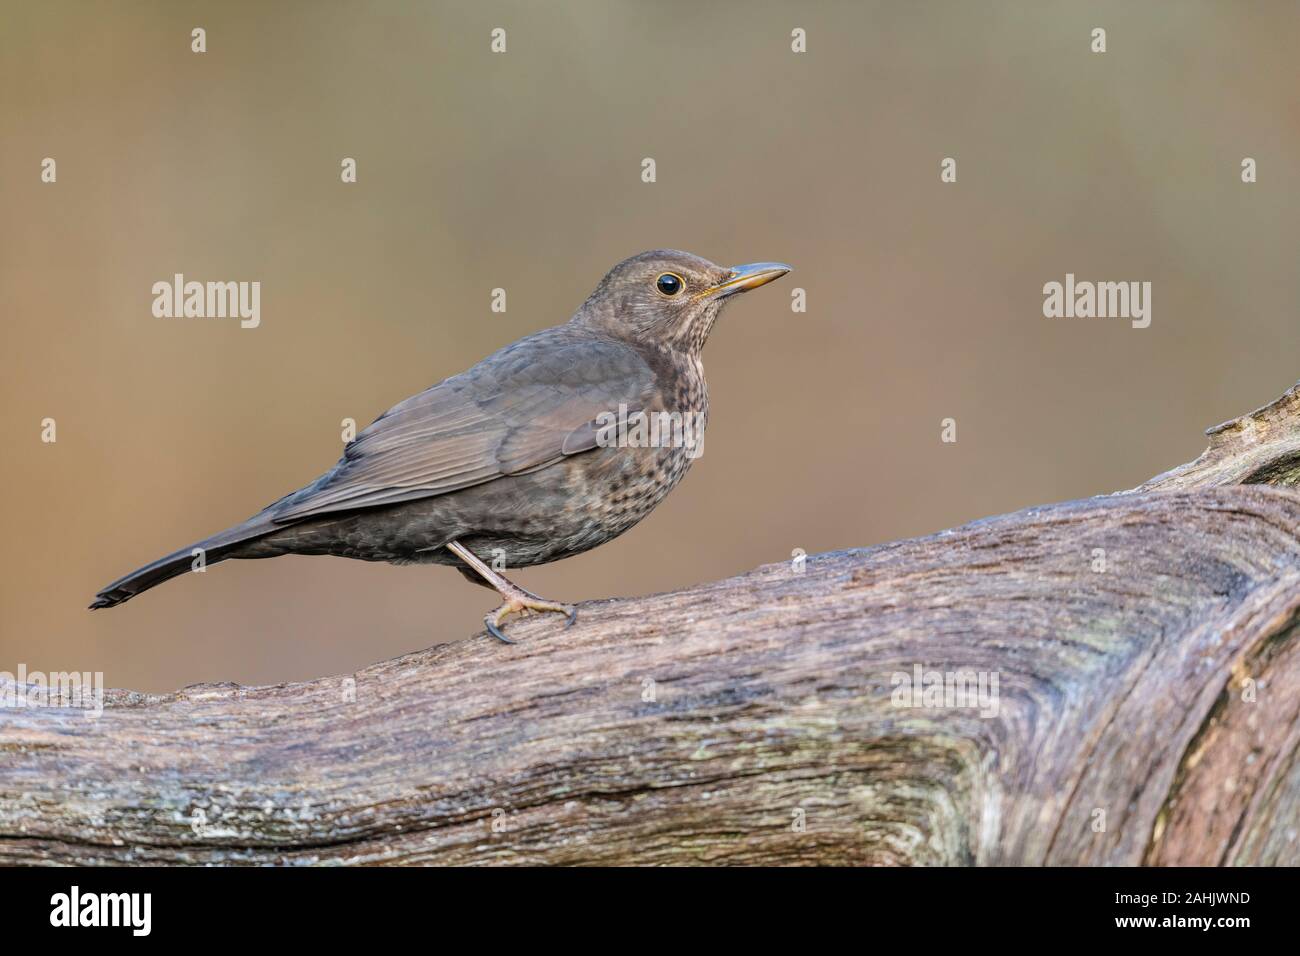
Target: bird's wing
[[523, 408]]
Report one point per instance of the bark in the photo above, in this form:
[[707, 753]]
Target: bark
[[1147, 711]]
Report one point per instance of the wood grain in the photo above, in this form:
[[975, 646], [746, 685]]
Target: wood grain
[[1147, 711]]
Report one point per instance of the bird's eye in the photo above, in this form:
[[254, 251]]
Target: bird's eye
[[669, 284]]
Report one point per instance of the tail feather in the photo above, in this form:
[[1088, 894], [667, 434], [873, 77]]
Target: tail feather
[[216, 548]]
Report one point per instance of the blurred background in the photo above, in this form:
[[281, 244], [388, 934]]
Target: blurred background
[[522, 171]]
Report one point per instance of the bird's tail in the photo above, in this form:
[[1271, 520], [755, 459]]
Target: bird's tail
[[209, 550]]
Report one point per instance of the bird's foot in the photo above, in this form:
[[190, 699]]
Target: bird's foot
[[525, 602]]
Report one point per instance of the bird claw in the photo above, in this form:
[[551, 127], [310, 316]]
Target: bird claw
[[526, 605]]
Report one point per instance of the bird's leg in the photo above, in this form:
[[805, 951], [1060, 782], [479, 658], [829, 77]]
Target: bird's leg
[[472, 576], [517, 600]]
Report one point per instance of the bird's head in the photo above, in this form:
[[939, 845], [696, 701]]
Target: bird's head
[[669, 298]]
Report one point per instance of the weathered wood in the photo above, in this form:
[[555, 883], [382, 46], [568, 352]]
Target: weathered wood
[[1262, 448], [1148, 710]]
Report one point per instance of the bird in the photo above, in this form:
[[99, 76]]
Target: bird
[[537, 453]]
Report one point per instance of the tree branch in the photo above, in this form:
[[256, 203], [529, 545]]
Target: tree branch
[[1147, 710]]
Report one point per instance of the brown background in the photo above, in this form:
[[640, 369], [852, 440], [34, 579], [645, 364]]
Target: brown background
[[522, 171]]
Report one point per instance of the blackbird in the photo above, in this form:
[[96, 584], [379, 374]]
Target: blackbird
[[540, 451]]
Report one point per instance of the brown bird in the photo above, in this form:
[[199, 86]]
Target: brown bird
[[553, 445]]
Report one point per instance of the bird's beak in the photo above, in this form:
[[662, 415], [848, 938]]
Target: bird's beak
[[744, 278]]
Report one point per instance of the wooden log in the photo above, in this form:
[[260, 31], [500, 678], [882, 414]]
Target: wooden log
[[1141, 704]]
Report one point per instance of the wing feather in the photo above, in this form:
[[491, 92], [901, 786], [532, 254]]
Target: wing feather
[[523, 408]]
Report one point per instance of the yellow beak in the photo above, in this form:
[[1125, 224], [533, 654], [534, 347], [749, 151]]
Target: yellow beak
[[746, 277]]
